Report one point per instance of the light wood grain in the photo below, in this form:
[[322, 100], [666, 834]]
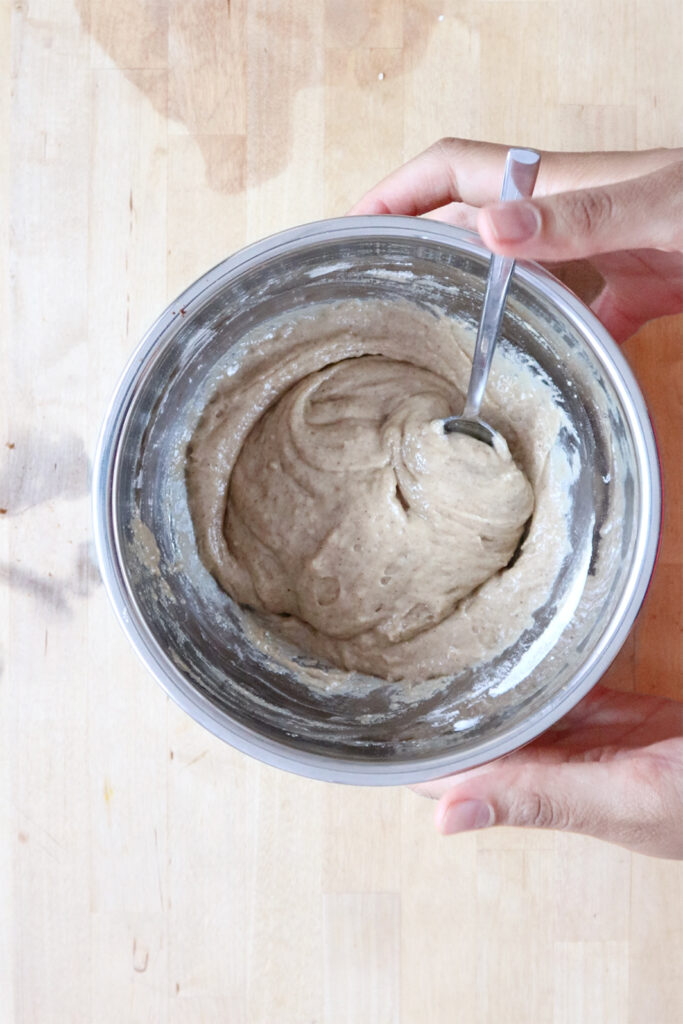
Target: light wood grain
[[147, 871], [361, 944]]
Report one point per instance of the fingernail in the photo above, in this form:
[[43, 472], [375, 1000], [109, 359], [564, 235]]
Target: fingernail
[[514, 222], [467, 815]]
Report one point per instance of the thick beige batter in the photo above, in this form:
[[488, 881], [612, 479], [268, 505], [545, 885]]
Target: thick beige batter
[[326, 497]]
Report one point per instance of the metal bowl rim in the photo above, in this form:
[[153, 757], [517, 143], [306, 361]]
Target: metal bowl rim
[[343, 769]]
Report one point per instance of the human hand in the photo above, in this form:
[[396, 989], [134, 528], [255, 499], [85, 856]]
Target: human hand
[[623, 212], [611, 768]]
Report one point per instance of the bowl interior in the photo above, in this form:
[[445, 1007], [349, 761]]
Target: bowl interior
[[189, 628]]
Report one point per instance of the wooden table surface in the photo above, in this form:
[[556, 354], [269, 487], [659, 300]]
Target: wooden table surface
[[147, 871]]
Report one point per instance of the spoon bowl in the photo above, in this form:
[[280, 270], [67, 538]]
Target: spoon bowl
[[476, 428]]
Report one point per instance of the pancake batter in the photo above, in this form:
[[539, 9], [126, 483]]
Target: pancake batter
[[326, 497]]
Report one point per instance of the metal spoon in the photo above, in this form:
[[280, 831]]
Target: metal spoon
[[521, 169]]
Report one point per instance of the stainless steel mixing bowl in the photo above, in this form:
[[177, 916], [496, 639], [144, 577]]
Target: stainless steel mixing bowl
[[185, 627]]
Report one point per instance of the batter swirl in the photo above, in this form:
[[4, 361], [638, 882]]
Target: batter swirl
[[327, 499]]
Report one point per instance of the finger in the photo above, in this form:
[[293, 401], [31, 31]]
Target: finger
[[640, 213], [454, 170], [460, 215], [539, 749], [451, 170], [562, 172], [435, 788], [625, 801], [608, 307], [624, 304]]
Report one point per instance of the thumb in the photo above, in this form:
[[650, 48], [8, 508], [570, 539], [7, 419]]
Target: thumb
[[619, 801], [640, 213]]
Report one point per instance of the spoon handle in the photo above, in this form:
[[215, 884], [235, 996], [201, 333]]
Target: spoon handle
[[521, 169]]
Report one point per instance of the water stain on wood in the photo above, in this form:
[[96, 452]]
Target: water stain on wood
[[237, 101], [190, 63]]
